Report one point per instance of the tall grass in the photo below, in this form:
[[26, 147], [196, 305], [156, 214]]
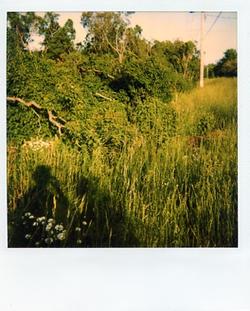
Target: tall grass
[[181, 194]]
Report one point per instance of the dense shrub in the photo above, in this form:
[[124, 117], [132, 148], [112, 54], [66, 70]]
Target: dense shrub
[[155, 119], [103, 95], [98, 108], [205, 124]]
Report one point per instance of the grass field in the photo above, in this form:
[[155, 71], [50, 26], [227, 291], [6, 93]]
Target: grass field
[[180, 194]]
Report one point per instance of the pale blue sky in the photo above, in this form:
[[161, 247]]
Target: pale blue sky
[[178, 25]]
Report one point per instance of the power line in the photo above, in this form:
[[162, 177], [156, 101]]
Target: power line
[[217, 17], [223, 17], [213, 15]]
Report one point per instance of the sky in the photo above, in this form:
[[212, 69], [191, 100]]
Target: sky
[[176, 25]]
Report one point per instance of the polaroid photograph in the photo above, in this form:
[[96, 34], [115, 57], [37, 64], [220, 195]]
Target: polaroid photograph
[[125, 156], [121, 134]]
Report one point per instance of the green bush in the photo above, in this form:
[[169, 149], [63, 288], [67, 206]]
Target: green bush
[[140, 78], [155, 119], [205, 124]]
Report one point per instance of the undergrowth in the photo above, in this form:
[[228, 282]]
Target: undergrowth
[[181, 192]]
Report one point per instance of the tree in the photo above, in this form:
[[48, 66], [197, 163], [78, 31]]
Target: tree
[[19, 29], [227, 66], [181, 56], [57, 40], [109, 33], [106, 32], [209, 71], [136, 45]]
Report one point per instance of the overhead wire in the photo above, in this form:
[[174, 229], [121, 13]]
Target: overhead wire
[[214, 14], [214, 22], [223, 17]]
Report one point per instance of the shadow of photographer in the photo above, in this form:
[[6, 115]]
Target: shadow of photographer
[[44, 199]]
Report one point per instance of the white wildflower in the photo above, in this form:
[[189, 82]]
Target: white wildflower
[[41, 219], [79, 241], [31, 217], [61, 236], [27, 236], [84, 223], [49, 226], [51, 220], [77, 229], [27, 214], [59, 227], [37, 244], [35, 224]]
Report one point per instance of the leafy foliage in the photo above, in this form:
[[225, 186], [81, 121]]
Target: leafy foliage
[[19, 29], [182, 57], [205, 124], [57, 40], [155, 119], [227, 66], [114, 87]]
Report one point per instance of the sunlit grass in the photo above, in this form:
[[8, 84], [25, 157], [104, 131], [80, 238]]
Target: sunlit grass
[[181, 194]]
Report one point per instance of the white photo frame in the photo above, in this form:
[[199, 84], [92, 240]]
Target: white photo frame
[[132, 279]]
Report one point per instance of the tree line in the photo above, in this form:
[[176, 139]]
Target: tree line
[[104, 90]]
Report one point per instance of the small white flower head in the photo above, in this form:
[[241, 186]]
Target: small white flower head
[[84, 223], [48, 240], [41, 219], [49, 226], [24, 223], [51, 220], [27, 214], [77, 229], [61, 236], [35, 224], [37, 244], [31, 217], [79, 241], [59, 227], [27, 236]]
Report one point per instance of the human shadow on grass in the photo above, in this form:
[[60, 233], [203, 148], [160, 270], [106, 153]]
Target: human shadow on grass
[[45, 200], [102, 222]]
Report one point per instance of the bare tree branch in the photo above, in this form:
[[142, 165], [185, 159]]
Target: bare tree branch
[[103, 96], [28, 104], [52, 118]]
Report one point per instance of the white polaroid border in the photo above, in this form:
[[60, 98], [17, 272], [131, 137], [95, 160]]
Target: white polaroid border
[[177, 279]]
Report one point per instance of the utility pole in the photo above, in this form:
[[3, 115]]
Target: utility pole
[[202, 49]]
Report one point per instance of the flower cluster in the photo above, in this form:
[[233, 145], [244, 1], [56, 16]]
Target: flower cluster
[[42, 232]]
